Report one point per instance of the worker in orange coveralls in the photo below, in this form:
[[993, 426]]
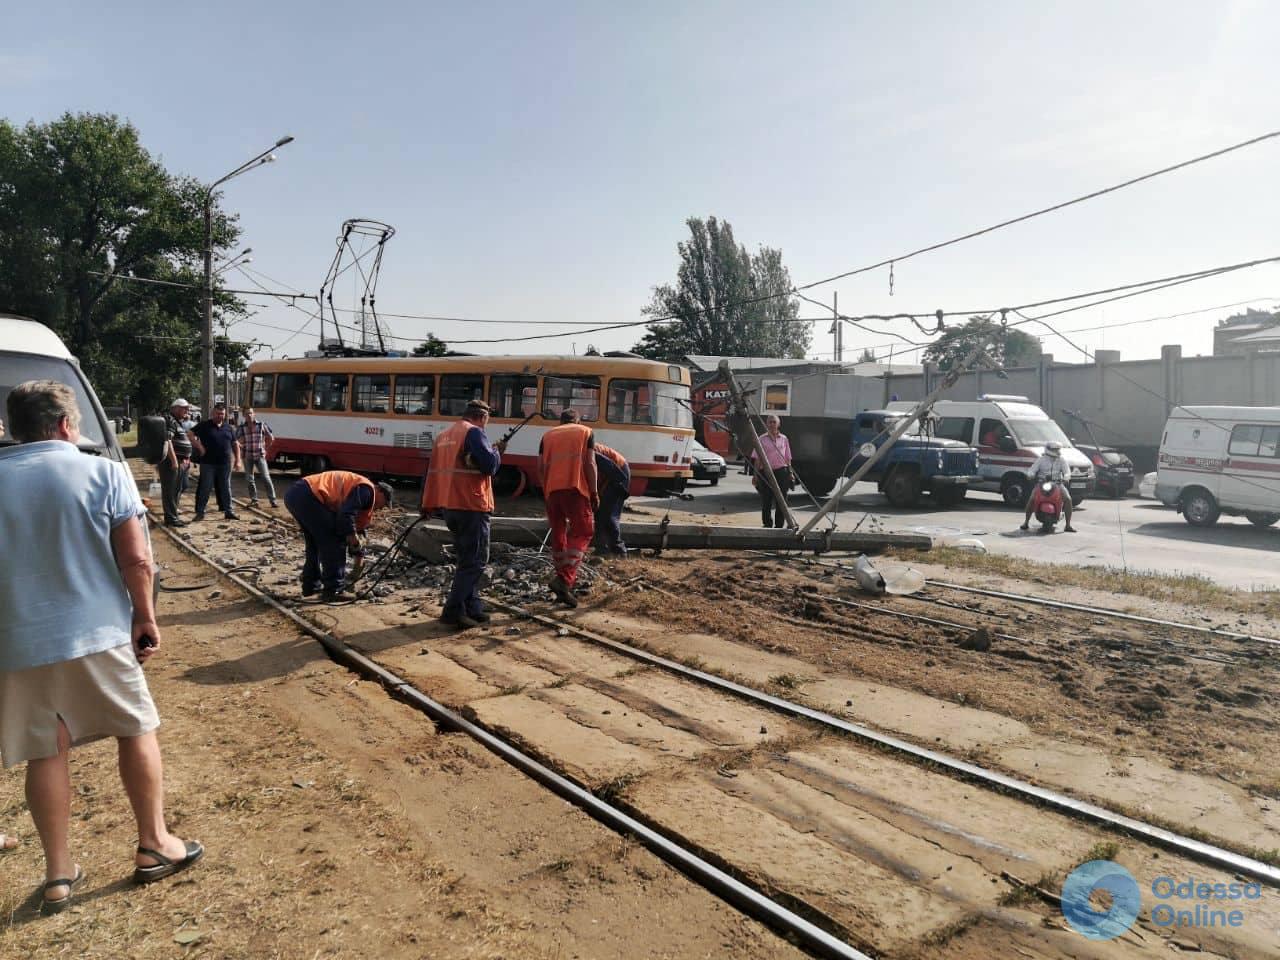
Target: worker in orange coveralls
[[567, 474]]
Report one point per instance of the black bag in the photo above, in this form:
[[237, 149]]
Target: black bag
[[152, 435]]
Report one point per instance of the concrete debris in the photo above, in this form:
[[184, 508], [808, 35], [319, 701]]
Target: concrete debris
[[979, 640]]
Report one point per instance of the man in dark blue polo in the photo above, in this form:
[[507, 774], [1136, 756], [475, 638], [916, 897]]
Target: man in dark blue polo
[[218, 454]]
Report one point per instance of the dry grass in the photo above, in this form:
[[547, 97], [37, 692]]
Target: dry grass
[[1189, 588]]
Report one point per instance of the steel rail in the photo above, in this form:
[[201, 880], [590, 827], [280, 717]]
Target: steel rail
[[717, 881], [1078, 809], [1105, 612]]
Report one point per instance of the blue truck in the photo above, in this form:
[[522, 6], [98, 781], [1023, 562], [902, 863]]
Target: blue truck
[[917, 463]]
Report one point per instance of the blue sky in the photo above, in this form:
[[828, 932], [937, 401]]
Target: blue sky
[[539, 160]]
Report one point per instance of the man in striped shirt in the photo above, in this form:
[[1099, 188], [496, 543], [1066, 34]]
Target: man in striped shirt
[[255, 437]]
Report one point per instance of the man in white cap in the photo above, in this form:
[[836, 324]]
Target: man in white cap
[[176, 461]]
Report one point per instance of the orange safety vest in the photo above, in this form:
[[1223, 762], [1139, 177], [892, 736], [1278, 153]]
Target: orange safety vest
[[561, 458], [451, 484], [334, 486], [611, 454]]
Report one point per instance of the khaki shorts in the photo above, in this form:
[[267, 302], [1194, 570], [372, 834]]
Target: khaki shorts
[[102, 695]]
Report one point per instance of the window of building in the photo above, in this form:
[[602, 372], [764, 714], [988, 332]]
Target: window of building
[[293, 391], [261, 389], [1244, 440], [415, 395], [459, 389], [372, 393], [954, 428], [572, 393], [513, 394], [330, 392]]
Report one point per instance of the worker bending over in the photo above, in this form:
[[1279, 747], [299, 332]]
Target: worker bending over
[[614, 475], [567, 475], [460, 484], [333, 508]]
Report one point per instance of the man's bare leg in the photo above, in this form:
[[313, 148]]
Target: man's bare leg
[[49, 799], [142, 772]]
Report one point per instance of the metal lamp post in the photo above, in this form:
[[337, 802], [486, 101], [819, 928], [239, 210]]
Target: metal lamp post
[[206, 330]]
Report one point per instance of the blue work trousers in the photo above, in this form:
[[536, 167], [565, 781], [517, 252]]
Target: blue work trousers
[[609, 520], [215, 477], [326, 558], [470, 529]]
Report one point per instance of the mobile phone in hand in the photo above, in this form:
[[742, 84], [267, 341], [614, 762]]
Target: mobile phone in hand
[[145, 642]]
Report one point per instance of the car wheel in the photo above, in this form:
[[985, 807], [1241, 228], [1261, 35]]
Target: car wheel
[[1261, 519], [1200, 509], [713, 481], [902, 488], [1015, 490]]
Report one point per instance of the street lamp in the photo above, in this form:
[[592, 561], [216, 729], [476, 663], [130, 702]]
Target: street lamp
[[206, 329]]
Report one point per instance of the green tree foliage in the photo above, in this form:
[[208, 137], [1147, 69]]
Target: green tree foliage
[[725, 301], [1265, 317], [868, 355], [1009, 347], [433, 346], [84, 205]]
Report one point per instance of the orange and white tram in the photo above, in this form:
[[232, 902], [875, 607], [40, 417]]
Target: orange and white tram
[[380, 415]]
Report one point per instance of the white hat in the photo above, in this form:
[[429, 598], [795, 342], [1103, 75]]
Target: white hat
[[179, 403]]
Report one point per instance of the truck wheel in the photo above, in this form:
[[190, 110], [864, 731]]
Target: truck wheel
[[1200, 509], [950, 496], [1262, 519], [902, 487], [1015, 489]]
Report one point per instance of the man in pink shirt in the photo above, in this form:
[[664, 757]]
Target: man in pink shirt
[[777, 454]]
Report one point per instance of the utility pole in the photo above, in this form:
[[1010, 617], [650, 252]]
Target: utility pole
[[839, 327]]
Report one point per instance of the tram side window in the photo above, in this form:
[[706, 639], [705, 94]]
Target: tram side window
[[415, 395], [293, 391], [513, 395], [372, 393], [629, 401], [330, 392], [573, 393], [457, 389], [261, 389]]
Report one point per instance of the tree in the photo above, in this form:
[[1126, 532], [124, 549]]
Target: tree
[[725, 302], [1009, 348], [84, 209], [868, 355], [433, 346], [1251, 315]]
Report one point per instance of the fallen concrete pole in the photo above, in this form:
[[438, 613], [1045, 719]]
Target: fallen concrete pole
[[426, 538]]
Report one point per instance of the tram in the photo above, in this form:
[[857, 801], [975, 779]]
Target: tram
[[380, 415]]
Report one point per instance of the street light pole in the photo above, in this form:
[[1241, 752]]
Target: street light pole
[[207, 376]]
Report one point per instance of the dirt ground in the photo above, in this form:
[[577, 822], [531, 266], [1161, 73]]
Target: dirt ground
[[337, 802]]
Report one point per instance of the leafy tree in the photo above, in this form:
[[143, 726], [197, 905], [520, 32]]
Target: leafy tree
[[726, 301], [83, 206], [433, 346], [1250, 316], [1008, 347], [868, 355]]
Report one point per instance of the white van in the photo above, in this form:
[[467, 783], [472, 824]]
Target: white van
[[31, 351], [1010, 433], [1216, 460]]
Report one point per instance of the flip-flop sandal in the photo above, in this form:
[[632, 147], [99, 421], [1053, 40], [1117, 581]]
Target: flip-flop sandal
[[50, 907], [166, 867]]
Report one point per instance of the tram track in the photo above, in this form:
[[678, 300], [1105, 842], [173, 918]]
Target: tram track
[[706, 848]]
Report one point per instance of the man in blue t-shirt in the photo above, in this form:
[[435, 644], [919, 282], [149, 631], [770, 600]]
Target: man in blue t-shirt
[[218, 454]]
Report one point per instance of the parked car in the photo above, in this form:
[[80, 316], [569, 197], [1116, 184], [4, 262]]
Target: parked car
[[1113, 468], [1147, 488], [915, 464], [707, 464], [1216, 460], [1010, 433], [31, 351]]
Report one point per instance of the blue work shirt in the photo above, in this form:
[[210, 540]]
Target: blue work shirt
[[218, 442], [61, 593], [484, 455], [361, 498]]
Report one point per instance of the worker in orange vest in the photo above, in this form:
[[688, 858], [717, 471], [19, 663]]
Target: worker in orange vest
[[614, 475], [333, 508], [460, 484], [567, 475]]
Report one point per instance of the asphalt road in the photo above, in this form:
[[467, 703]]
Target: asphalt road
[[1140, 535]]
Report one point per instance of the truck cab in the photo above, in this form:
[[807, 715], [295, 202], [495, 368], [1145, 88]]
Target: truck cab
[[915, 464]]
